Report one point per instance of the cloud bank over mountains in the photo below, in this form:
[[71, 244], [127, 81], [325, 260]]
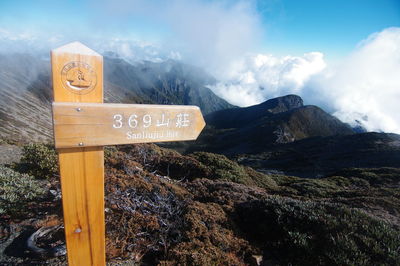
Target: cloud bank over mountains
[[255, 78], [210, 34], [130, 49], [366, 86], [363, 89]]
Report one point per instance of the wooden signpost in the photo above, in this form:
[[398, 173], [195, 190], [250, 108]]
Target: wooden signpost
[[83, 124]]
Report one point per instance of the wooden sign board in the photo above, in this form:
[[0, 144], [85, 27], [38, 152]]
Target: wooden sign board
[[82, 126], [90, 124]]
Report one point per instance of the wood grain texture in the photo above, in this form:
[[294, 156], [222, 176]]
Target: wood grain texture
[[86, 124], [77, 75]]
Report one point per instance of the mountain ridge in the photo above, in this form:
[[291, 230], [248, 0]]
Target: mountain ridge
[[233, 117], [26, 92], [252, 129]]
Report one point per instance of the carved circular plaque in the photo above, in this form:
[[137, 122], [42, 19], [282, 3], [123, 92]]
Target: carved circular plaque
[[78, 77]]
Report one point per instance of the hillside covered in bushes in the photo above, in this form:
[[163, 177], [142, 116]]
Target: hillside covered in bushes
[[204, 209]]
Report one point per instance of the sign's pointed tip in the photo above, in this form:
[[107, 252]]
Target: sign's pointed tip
[[201, 122], [75, 48]]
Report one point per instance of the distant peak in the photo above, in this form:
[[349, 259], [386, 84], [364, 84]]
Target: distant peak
[[283, 103]]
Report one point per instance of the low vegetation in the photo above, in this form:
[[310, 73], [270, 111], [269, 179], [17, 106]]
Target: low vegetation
[[314, 233], [17, 191], [204, 209], [229, 215], [39, 160]]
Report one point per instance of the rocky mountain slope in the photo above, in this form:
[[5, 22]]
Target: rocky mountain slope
[[169, 82], [241, 117], [282, 135], [24, 98], [26, 94], [254, 129]]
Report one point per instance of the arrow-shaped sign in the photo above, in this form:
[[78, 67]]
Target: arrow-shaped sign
[[92, 124]]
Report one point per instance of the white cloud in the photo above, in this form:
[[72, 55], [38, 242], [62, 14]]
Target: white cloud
[[209, 34], [366, 86], [18, 41], [132, 50], [213, 34], [256, 78]]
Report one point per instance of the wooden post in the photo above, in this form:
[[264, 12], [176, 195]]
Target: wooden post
[[82, 125], [77, 74]]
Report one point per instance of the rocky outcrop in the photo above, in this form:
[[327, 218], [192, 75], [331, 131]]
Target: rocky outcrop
[[254, 129]]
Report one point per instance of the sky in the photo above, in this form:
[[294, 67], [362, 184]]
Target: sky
[[331, 27], [339, 54], [286, 26]]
